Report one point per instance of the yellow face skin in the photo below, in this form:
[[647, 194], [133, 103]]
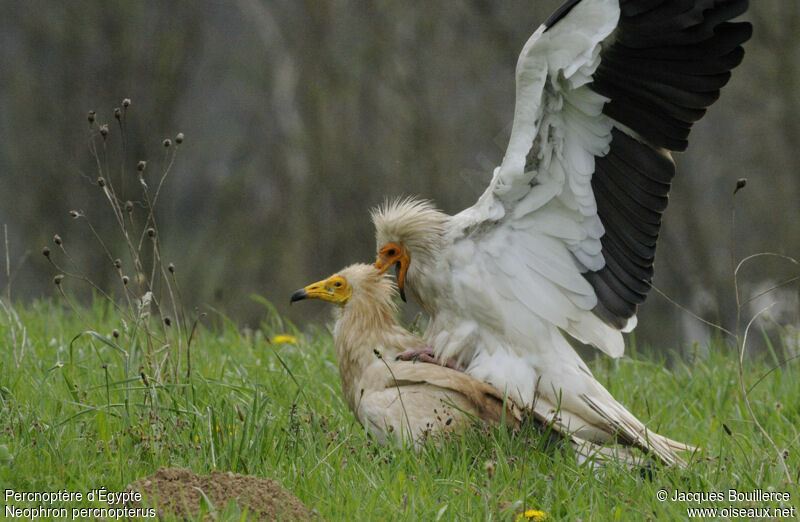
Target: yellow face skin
[[335, 290]]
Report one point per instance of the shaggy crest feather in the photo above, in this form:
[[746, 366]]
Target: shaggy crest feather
[[415, 222], [370, 288]]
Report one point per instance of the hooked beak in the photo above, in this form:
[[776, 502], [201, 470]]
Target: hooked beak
[[397, 255], [299, 295], [334, 290]]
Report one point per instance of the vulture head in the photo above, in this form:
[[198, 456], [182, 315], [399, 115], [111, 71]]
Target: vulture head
[[356, 283], [408, 229]]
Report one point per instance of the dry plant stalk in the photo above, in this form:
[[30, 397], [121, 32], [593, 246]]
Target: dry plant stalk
[[741, 341], [17, 330], [741, 338], [155, 329]]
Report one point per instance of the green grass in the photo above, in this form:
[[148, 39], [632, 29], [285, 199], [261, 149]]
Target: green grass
[[276, 411]]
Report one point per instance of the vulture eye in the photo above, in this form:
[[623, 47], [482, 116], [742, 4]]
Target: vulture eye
[[337, 284], [391, 252]]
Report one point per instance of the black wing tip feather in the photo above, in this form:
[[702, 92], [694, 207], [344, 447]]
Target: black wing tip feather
[[610, 307], [560, 13], [667, 64], [664, 67], [631, 185]]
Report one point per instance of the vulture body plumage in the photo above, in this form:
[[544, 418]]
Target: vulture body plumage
[[404, 401], [564, 237]]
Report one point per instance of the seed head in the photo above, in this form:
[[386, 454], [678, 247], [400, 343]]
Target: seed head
[[117, 113], [179, 138], [104, 130], [167, 143], [46, 252], [101, 181], [125, 280], [171, 268], [115, 333], [129, 206], [57, 279], [117, 263], [57, 240], [151, 232], [141, 165], [126, 102], [90, 116], [489, 467], [167, 321], [74, 214]]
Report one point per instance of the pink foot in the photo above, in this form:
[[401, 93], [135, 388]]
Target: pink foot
[[426, 355]]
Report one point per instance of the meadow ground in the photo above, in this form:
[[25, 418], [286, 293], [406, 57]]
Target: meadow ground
[[76, 414]]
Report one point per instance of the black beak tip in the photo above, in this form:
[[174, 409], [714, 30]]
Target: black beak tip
[[298, 296], [403, 295]]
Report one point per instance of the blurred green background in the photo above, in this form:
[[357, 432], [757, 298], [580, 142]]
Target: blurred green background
[[301, 115]]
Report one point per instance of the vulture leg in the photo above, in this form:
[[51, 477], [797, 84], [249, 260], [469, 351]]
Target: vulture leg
[[426, 355]]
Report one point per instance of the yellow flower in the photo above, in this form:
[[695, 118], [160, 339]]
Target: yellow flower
[[532, 514], [284, 338]]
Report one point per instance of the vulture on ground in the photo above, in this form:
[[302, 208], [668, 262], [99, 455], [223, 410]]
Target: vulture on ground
[[564, 237], [403, 401]]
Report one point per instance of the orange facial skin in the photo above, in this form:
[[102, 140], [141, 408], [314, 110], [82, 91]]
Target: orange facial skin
[[394, 254]]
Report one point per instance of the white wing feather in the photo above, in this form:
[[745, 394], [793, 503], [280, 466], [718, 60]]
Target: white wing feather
[[545, 219], [512, 272]]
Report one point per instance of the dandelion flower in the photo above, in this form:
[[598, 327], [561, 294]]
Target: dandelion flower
[[532, 514], [284, 338]]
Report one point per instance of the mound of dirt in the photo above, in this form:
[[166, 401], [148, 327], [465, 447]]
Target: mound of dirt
[[178, 492]]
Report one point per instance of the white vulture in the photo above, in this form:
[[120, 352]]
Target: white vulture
[[404, 400], [564, 237]]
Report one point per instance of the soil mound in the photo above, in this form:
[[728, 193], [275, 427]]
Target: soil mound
[[179, 492]]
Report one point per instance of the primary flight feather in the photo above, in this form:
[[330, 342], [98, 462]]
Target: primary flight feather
[[564, 237]]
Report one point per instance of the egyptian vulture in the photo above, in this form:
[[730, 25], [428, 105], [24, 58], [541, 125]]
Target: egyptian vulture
[[394, 400], [399, 400], [564, 237]]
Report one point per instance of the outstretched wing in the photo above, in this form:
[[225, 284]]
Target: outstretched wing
[[605, 90]]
